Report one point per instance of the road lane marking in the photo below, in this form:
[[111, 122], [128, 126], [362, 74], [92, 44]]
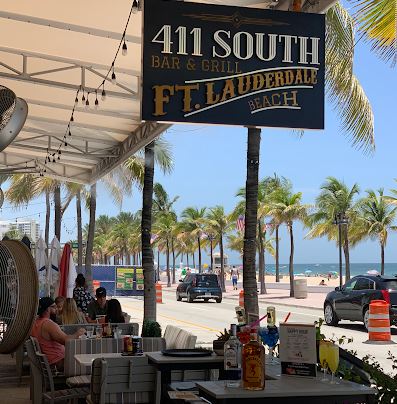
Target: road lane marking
[[185, 322]]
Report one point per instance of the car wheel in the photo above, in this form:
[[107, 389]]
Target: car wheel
[[189, 298], [366, 317], [219, 300], [206, 300], [330, 315], [178, 297]]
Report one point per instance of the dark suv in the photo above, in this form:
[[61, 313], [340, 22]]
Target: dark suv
[[351, 302], [199, 286]]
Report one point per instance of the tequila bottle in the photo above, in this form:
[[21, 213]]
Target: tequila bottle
[[253, 364], [232, 359]]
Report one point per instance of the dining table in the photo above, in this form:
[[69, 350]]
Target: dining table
[[87, 359], [165, 364]]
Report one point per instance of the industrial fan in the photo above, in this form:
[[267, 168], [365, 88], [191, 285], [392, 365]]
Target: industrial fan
[[13, 113], [19, 287]]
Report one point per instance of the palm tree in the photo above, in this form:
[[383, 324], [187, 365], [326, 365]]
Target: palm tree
[[149, 301], [90, 235], [193, 222], [218, 223], [377, 20], [164, 228], [161, 200], [335, 199], [377, 216], [286, 207]]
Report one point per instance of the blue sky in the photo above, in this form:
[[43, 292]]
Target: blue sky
[[210, 166]]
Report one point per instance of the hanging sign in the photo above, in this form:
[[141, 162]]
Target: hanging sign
[[125, 278], [231, 65], [298, 353]]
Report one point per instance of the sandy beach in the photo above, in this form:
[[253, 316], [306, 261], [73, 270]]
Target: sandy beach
[[311, 280]]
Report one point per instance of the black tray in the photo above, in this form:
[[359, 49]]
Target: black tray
[[187, 352]]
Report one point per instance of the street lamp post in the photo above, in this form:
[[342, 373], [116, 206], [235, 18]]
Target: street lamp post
[[340, 219]]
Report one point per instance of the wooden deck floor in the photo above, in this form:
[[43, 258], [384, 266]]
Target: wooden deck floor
[[11, 389]]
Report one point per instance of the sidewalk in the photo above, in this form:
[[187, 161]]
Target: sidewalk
[[314, 300]]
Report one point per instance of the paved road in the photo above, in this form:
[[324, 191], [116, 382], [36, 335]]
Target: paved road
[[206, 320]]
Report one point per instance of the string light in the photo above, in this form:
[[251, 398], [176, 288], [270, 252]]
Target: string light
[[96, 99], [124, 48], [113, 75], [136, 6]]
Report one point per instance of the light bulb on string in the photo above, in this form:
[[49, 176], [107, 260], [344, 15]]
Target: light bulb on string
[[83, 98], [96, 100], [124, 48], [135, 6], [70, 133], [113, 75], [103, 96], [87, 103]]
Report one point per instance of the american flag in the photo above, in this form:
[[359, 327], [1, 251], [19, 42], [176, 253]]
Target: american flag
[[240, 223], [153, 238]]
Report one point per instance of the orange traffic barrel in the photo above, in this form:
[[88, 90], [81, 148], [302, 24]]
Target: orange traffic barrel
[[379, 321], [241, 298], [159, 293]]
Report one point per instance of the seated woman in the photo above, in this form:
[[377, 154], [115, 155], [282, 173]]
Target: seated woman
[[114, 313], [70, 314]]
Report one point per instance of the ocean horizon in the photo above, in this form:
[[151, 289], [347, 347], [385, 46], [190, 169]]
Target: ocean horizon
[[325, 268]]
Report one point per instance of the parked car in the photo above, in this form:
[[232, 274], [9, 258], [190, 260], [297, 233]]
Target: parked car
[[199, 286], [351, 302]]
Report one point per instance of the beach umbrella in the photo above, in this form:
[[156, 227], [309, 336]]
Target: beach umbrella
[[72, 275], [64, 270], [53, 267], [41, 265]]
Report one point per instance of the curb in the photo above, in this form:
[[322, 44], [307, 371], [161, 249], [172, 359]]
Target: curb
[[264, 301]]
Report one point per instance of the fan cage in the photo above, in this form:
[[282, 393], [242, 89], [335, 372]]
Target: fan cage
[[18, 294], [7, 105]]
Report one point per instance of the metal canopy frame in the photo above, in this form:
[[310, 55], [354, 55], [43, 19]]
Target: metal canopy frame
[[47, 54]]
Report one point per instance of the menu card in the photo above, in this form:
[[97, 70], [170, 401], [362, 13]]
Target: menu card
[[298, 353]]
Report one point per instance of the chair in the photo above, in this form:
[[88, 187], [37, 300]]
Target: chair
[[36, 381], [122, 380], [50, 394]]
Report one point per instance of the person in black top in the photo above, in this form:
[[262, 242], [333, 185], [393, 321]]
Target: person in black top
[[81, 295], [98, 307], [114, 312]]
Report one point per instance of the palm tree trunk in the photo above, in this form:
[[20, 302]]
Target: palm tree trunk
[[57, 208], [347, 254], [291, 262], [47, 220], [173, 261], [149, 299], [212, 256], [261, 260], [222, 263], [90, 238], [277, 255], [79, 233], [199, 251], [251, 214], [382, 259], [187, 259], [168, 264], [194, 261], [158, 263]]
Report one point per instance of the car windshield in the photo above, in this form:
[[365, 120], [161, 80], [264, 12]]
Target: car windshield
[[205, 281], [390, 285]]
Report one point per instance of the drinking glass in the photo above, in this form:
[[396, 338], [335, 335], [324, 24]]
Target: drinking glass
[[90, 332], [98, 331], [323, 354], [269, 337], [333, 360]]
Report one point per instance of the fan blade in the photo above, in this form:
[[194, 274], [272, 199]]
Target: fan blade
[[14, 126]]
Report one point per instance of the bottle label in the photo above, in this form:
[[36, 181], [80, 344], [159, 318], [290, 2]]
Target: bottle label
[[253, 369], [230, 358]]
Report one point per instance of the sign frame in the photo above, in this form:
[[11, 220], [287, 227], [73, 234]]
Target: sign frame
[[196, 71]]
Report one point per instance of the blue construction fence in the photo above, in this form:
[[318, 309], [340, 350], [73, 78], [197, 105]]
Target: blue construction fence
[[119, 280]]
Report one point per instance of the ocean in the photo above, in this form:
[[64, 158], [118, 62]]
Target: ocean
[[355, 268]]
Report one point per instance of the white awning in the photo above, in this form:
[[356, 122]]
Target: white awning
[[48, 49]]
